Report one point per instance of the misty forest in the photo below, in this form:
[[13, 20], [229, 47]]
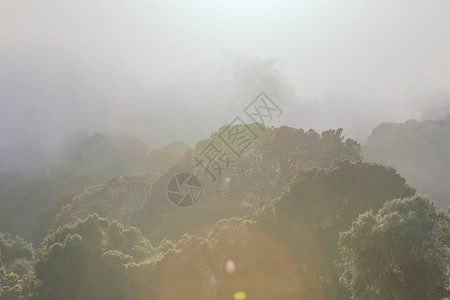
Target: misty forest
[[168, 151]]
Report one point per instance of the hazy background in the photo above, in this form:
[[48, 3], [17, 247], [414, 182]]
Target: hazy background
[[177, 70]]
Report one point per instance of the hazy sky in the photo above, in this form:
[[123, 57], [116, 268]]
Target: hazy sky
[[176, 70]]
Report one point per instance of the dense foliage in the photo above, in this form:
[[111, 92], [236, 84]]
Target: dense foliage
[[117, 198], [258, 175], [86, 160], [401, 252], [87, 260], [297, 215], [323, 202], [17, 259]]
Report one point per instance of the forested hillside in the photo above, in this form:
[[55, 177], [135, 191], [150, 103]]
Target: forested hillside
[[117, 198], [84, 161], [419, 150], [298, 215]]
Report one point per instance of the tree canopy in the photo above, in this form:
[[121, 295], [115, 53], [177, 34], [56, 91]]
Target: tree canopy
[[400, 252]]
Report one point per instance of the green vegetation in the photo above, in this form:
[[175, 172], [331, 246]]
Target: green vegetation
[[85, 161], [17, 259], [87, 260], [323, 202], [117, 198], [401, 252], [302, 217], [262, 172]]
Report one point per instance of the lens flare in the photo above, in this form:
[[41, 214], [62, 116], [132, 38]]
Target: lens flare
[[240, 295], [230, 267], [212, 281]]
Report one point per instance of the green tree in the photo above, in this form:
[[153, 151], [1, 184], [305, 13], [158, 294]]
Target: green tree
[[117, 199], [9, 286], [17, 259], [259, 174], [14, 287], [16, 254], [321, 203], [87, 260], [401, 252]]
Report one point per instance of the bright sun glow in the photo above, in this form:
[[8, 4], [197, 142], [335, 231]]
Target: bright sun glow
[[240, 295]]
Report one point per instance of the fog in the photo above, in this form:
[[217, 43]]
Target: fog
[[134, 165], [177, 70]]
